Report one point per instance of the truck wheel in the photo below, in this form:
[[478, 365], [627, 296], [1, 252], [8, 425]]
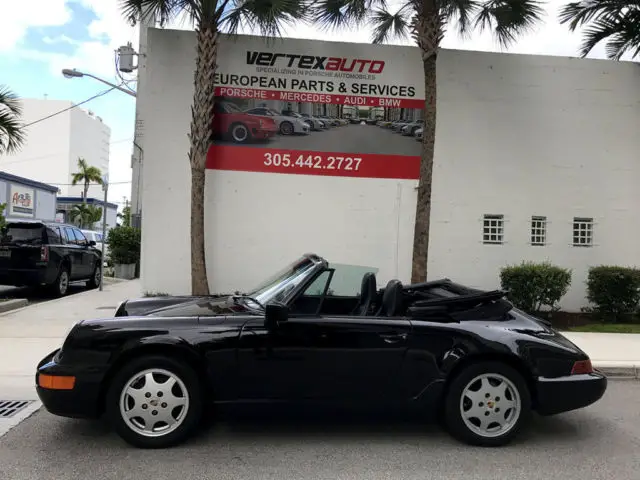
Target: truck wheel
[[155, 402], [487, 404], [61, 286], [94, 281]]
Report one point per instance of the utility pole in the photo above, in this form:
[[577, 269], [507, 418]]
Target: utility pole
[[105, 187]]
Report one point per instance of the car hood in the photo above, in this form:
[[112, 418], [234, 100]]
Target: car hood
[[185, 306]]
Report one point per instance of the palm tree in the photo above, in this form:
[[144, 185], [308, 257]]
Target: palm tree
[[211, 18], [86, 215], [426, 21], [86, 174], [616, 21], [11, 130]]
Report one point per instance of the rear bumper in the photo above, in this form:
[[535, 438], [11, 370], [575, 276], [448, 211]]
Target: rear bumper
[[80, 402], [27, 277], [557, 395]]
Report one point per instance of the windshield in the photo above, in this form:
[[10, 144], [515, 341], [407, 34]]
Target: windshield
[[231, 107], [278, 286]]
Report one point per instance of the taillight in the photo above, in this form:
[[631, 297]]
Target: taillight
[[581, 367], [44, 253]]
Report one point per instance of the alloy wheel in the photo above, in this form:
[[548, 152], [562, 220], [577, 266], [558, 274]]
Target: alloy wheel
[[490, 405], [240, 133], [63, 282], [154, 402]]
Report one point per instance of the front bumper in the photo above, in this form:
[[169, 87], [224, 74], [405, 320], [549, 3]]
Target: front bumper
[[557, 395], [83, 401]]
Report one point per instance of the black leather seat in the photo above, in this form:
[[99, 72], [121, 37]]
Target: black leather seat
[[367, 294], [391, 300]]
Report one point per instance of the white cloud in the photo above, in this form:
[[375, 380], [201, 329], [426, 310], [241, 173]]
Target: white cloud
[[30, 13], [59, 39]]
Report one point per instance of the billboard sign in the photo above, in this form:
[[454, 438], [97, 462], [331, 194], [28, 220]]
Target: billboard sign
[[21, 201], [308, 107]]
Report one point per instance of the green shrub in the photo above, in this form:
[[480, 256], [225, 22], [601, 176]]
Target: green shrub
[[531, 286], [614, 291], [124, 244]]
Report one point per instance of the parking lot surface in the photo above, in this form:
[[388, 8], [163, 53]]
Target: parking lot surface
[[599, 442]]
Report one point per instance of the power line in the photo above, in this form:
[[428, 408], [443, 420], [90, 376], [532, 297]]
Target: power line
[[71, 107]]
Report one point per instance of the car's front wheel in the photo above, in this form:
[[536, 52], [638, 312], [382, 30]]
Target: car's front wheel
[[155, 402], [286, 128], [487, 404], [96, 277]]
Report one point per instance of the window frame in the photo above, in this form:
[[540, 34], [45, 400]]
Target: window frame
[[487, 218], [588, 223], [538, 231]]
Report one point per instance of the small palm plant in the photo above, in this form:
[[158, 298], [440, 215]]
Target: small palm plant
[[12, 134]]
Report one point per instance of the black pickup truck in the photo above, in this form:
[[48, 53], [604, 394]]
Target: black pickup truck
[[47, 254]]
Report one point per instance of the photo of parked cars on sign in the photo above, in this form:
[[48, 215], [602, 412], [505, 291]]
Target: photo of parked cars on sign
[[315, 127]]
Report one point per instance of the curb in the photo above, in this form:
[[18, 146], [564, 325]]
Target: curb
[[13, 304], [631, 372]]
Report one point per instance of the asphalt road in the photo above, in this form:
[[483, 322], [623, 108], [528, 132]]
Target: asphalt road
[[347, 139], [599, 442]]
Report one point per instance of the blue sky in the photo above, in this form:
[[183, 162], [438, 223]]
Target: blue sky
[[40, 37]]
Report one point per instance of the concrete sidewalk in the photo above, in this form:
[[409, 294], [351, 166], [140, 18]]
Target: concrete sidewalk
[[28, 334]]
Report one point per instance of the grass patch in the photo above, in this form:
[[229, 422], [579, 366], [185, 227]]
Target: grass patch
[[608, 328]]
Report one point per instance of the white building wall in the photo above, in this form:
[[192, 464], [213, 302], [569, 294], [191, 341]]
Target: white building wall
[[518, 135], [524, 135], [255, 223], [50, 153]]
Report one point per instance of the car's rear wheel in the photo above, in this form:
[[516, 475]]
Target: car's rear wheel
[[61, 286], [487, 404], [155, 402], [94, 281], [240, 133], [286, 128]]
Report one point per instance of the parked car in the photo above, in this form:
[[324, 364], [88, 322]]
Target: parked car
[[96, 237], [397, 127], [318, 334], [47, 254], [229, 121], [287, 125], [334, 122], [418, 135], [410, 129], [314, 122]]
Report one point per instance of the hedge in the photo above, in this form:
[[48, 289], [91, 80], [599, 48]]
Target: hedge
[[614, 291], [531, 286]]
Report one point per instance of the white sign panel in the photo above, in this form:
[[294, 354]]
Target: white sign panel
[[21, 201]]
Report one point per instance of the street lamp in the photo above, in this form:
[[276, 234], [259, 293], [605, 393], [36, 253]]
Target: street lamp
[[68, 73]]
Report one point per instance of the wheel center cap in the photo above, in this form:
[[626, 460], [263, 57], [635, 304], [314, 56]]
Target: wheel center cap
[[154, 403], [490, 404]]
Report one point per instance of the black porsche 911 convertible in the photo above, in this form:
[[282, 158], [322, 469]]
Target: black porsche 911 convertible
[[318, 334]]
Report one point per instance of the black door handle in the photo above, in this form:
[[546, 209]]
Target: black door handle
[[393, 337]]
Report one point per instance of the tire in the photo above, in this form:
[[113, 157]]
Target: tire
[[60, 287], [286, 128], [188, 415], [500, 405], [94, 281], [240, 133]]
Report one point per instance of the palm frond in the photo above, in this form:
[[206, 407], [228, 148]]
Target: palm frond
[[508, 18], [12, 134], [622, 32], [387, 25], [334, 14], [462, 13], [265, 17], [582, 12], [164, 11]]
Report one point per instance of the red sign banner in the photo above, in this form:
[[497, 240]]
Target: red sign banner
[[311, 97], [301, 162]]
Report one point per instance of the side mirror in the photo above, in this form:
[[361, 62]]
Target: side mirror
[[275, 313], [92, 243]]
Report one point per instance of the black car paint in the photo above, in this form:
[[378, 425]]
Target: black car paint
[[25, 266], [390, 361]]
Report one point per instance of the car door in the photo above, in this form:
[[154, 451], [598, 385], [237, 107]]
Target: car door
[[319, 358], [88, 255], [74, 252]]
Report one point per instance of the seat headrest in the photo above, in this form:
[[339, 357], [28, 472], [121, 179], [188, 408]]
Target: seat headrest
[[392, 298], [369, 285]]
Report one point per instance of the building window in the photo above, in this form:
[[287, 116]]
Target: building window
[[538, 230], [582, 232], [493, 229]]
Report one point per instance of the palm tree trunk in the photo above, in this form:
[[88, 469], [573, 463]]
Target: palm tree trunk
[[428, 31], [86, 190], [200, 136]]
